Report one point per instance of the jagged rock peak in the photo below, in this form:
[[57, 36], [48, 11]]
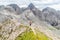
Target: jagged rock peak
[[48, 9], [15, 6], [31, 6]]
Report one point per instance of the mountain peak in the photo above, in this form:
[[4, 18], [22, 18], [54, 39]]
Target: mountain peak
[[48, 9], [31, 6], [15, 6], [12, 5]]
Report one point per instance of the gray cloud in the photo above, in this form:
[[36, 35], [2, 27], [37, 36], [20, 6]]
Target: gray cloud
[[38, 3]]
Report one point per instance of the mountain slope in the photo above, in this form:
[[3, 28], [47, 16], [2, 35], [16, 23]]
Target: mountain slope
[[31, 21], [52, 17], [29, 35], [16, 8], [36, 11]]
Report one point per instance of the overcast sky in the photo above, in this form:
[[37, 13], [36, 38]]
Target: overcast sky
[[38, 3]]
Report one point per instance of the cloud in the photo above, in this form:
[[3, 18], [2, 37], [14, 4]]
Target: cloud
[[38, 3], [47, 3], [57, 7]]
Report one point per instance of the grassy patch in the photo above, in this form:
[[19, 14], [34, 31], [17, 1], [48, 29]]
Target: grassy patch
[[29, 35], [42, 36]]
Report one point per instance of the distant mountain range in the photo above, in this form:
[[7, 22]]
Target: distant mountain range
[[49, 15]]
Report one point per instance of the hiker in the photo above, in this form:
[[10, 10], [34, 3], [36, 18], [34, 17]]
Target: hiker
[[30, 23]]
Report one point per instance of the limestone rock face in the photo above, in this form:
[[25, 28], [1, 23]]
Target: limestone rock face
[[14, 21]]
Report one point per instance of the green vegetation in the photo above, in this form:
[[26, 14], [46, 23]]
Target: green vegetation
[[29, 35], [42, 36], [0, 35]]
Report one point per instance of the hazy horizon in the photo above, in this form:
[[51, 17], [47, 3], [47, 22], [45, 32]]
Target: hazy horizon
[[38, 3]]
